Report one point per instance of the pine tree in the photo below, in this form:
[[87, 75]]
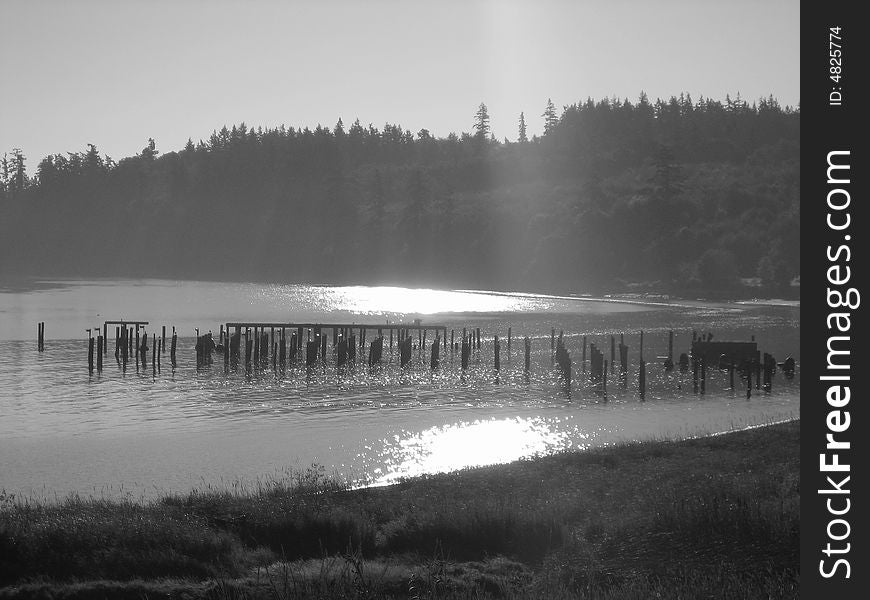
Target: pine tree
[[522, 137], [481, 126], [550, 117]]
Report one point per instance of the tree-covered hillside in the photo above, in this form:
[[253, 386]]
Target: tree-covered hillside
[[678, 195]]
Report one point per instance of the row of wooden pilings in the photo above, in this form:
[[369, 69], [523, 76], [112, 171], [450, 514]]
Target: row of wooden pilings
[[131, 342]]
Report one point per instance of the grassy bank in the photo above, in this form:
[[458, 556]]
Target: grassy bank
[[701, 518]]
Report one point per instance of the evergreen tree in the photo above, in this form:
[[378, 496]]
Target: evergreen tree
[[550, 117], [522, 134], [481, 123]]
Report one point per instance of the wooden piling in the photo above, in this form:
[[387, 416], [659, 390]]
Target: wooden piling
[[496, 349], [436, 345], [174, 345], [154, 355], [100, 351], [553, 340], [105, 349], [163, 338], [509, 345], [478, 338], [124, 346], [583, 356], [465, 352], [90, 353], [669, 362]]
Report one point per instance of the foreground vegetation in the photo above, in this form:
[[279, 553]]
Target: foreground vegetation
[[708, 517]]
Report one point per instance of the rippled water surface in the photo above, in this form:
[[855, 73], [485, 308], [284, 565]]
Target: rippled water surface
[[138, 433]]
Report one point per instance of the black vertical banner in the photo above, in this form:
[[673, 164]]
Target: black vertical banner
[[833, 328]]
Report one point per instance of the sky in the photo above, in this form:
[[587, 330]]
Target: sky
[[114, 73]]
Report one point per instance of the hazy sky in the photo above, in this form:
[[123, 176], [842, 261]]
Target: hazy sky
[[114, 73]]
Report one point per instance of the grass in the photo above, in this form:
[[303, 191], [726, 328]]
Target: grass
[[709, 517]]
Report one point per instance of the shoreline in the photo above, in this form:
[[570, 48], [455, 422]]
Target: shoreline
[[605, 523]]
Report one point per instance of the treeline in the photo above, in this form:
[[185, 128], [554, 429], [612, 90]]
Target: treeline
[[673, 195]]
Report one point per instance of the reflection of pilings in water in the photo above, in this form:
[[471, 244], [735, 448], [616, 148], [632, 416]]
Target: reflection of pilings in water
[[527, 348], [642, 379]]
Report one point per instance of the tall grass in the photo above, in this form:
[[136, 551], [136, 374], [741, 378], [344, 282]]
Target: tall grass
[[639, 520]]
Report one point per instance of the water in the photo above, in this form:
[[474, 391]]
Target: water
[[135, 434]]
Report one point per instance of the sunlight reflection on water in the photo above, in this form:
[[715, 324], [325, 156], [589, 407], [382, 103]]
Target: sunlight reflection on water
[[62, 430], [473, 444]]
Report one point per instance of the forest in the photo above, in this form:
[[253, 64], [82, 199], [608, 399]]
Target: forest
[[669, 196]]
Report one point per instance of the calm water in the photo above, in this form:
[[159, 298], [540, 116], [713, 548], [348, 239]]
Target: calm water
[[132, 433]]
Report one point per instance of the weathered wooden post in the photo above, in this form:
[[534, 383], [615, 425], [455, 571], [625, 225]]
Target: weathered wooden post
[[323, 348], [118, 344], [143, 351], [282, 349], [163, 338], [154, 355], [583, 356], [351, 348], [341, 359], [137, 346], [433, 363], [105, 340], [174, 345], [124, 346], [100, 352], [749, 382], [161, 350], [248, 350], [226, 352], [90, 353], [465, 351], [452, 344], [496, 349], [294, 348]]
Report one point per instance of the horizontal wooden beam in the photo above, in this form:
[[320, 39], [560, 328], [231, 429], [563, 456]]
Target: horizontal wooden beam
[[126, 322], [338, 326]]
